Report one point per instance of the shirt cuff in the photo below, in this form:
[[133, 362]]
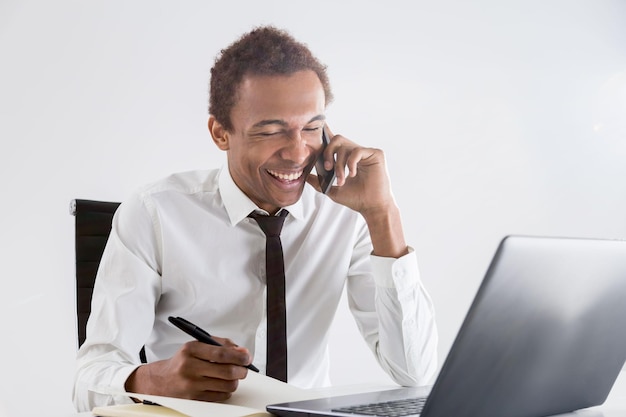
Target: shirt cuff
[[119, 383], [396, 273]]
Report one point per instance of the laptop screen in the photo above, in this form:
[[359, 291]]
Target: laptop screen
[[544, 334]]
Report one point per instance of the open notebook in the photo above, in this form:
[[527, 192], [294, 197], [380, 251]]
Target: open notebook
[[250, 399]]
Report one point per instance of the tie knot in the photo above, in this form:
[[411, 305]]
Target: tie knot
[[271, 225]]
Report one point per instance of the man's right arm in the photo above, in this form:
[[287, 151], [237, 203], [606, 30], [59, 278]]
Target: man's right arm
[[125, 298], [125, 293]]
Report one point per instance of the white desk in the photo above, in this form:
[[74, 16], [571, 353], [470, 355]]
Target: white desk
[[615, 405]]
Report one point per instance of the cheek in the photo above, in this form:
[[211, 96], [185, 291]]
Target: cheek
[[249, 159], [260, 154], [249, 154]]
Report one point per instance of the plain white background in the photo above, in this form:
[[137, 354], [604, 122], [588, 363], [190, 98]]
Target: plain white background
[[496, 118]]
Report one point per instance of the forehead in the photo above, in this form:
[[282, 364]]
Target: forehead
[[294, 98]]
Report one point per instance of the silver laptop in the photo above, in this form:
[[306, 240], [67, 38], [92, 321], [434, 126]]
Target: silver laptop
[[544, 335]]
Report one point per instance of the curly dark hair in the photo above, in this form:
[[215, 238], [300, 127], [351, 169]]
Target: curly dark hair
[[265, 50]]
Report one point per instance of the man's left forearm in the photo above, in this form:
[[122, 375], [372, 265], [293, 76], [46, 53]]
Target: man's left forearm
[[386, 232]]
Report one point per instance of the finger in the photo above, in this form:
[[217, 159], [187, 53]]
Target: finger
[[202, 370], [356, 157], [341, 160], [246, 352], [229, 343], [224, 341], [352, 162], [216, 384], [225, 372], [211, 389], [218, 354]]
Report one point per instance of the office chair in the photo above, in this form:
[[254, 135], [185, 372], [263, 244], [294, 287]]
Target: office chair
[[92, 229]]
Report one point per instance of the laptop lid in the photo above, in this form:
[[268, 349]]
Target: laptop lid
[[544, 334]]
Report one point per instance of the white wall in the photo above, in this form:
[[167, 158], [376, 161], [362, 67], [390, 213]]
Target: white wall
[[496, 117]]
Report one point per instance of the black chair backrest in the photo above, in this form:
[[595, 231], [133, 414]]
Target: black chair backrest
[[93, 226]]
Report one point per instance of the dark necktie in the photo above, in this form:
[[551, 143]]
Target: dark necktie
[[276, 311]]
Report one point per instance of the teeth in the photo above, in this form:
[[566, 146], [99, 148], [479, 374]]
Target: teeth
[[287, 177]]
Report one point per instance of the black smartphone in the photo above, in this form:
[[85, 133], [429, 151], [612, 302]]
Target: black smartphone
[[326, 178]]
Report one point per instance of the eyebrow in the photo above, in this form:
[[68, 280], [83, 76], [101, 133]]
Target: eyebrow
[[280, 122]]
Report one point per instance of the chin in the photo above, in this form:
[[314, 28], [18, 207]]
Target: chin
[[289, 201]]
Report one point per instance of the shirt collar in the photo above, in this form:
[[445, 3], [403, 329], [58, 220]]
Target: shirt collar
[[237, 203]]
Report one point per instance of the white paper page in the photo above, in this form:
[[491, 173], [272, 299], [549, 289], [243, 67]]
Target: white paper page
[[259, 390], [202, 408], [253, 394]]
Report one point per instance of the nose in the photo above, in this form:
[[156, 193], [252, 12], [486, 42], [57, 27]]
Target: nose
[[297, 149]]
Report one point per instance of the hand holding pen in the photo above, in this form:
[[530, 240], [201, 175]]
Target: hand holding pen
[[200, 334], [198, 370]]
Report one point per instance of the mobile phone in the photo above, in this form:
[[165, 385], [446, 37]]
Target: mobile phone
[[326, 178]]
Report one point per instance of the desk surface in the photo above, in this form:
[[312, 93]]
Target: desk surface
[[615, 405]]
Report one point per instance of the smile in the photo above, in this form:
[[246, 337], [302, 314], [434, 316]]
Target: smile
[[286, 177]]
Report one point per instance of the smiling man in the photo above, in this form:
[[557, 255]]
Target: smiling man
[[275, 136], [187, 246]]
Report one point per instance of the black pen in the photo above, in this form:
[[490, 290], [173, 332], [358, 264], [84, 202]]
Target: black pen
[[200, 334]]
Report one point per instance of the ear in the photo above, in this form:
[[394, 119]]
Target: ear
[[218, 133]]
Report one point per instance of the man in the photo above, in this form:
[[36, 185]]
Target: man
[[185, 246]]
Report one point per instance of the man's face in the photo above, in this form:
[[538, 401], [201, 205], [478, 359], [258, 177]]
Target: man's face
[[277, 129]]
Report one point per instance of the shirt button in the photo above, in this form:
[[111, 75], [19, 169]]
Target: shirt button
[[398, 273]]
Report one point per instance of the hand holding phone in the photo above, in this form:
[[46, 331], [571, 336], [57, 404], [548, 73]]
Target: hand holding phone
[[326, 178]]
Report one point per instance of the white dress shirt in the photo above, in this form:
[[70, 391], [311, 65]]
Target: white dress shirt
[[185, 247]]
